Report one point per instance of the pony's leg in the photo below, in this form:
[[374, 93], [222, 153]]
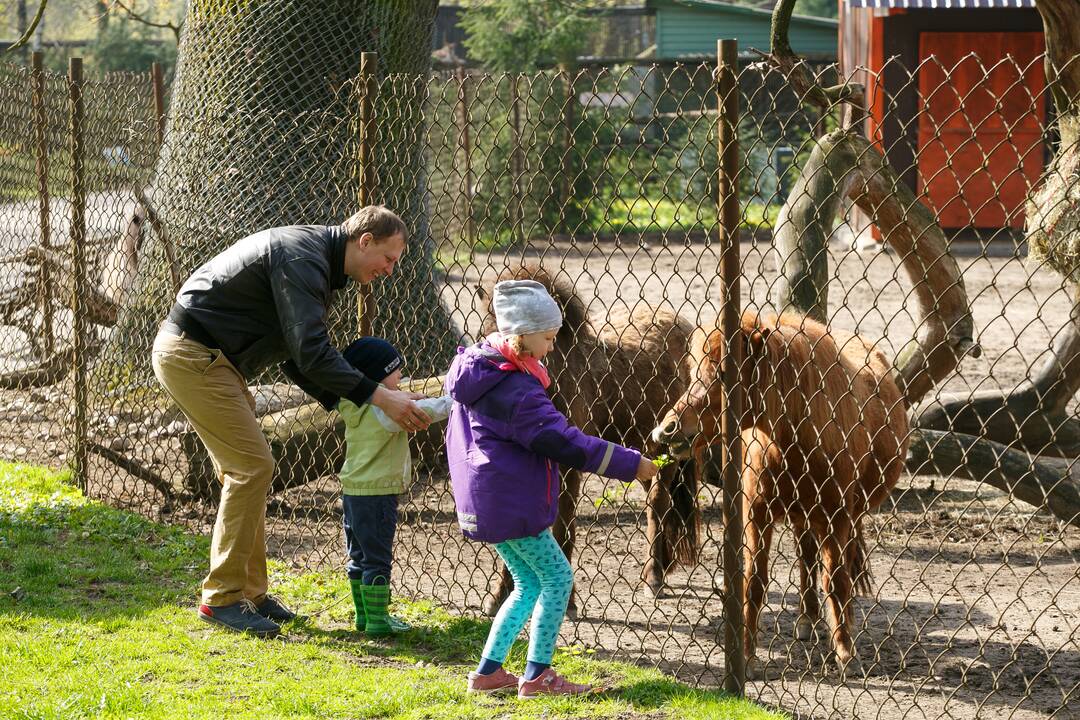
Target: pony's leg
[[657, 509], [499, 593], [757, 538], [836, 585], [565, 530], [809, 602]]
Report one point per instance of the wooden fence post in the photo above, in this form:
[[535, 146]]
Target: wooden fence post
[[41, 151], [78, 265], [516, 163], [158, 77], [727, 97], [366, 191]]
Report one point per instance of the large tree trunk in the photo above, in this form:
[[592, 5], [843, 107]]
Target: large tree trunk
[[844, 164], [263, 130]]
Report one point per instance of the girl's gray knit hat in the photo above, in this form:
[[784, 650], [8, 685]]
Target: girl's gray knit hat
[[523, 307]]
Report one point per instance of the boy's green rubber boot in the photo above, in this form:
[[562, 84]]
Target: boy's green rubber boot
[[379, 622], [357, 587]]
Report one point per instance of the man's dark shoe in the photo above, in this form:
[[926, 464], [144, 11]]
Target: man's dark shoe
[[273, 609], [241, 616]]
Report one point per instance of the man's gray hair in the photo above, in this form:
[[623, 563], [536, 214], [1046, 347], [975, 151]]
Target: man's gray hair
[[378, 220]]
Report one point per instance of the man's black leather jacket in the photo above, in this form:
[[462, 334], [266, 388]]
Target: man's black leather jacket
[[264, 300]]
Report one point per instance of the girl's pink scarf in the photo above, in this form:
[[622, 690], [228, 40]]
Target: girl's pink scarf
[[529, 364]]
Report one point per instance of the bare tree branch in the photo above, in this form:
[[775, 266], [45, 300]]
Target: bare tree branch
[[785, 60], [30, 30], [139, 18]]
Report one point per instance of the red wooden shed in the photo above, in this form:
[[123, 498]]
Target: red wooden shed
[[956, 100]]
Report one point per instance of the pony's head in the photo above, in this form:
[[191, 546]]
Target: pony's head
[[693, 422]]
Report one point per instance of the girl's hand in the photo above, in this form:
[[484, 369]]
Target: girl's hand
[[646, 469]]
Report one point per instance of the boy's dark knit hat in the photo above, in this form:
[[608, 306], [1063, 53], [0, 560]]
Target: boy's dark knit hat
[[374, 357]]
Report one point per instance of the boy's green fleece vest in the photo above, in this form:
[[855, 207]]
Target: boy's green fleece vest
[[378, 461]]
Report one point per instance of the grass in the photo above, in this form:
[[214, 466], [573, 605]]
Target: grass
[[97, 621], [623, 216]]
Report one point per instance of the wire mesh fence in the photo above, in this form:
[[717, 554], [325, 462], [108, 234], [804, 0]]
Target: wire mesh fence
[[609, 180]]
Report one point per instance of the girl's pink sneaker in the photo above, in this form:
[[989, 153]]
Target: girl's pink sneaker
[[550, 683], [499, 681]]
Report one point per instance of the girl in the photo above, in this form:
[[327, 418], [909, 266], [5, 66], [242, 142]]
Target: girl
[[504, 442]]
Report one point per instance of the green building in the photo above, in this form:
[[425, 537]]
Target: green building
[[689, 29]]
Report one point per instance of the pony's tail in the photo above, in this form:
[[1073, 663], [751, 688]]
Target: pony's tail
[[859, 561], [682, 526]]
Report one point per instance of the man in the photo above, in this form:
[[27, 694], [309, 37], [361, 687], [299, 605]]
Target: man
[[264, 300]]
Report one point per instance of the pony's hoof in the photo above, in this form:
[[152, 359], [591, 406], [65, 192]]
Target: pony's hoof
[[490, 606], [804, 628], [754, 668], [851, 668]]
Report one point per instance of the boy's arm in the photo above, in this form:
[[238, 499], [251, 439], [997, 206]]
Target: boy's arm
[[540, 427], [438, 409]]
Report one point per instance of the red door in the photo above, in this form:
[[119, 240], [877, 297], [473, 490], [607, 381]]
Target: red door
[[980, 125]]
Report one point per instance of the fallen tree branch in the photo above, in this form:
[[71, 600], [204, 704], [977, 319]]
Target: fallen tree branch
[[1045, 483], [100, 309], [48, 372], [135, 469]]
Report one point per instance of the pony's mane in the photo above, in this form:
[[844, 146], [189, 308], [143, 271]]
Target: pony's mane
[[797, 367], [575, 315]]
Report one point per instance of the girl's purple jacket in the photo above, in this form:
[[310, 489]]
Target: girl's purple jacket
[[505, 441]]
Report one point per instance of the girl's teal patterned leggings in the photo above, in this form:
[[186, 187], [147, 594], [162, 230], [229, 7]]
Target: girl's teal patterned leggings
[[542, 580]]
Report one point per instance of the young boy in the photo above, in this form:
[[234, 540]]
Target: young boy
[[377, 468]]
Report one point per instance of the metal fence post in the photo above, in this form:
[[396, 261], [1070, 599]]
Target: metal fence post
[[158, 77], [41, 151], [727, 97], [366, 190], [78, 265]]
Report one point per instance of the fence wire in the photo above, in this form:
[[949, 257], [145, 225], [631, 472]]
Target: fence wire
[[608, 178]]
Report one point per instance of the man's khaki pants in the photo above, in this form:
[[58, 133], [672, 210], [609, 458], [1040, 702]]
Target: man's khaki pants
[[213, 395]]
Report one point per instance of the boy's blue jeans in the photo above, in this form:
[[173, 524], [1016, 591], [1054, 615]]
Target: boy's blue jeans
[[370, 521]]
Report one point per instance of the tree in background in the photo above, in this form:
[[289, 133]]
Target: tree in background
[[520, 37], [523, 35], [123, 44], [817, 8]]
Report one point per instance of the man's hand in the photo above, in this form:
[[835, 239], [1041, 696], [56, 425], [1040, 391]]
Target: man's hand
[[401, 407], [646, 469]]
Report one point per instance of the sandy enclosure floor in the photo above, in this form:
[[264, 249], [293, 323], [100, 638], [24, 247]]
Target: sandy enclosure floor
[[975, 610]]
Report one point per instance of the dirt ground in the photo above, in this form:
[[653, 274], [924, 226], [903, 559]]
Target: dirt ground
[[975, 609]]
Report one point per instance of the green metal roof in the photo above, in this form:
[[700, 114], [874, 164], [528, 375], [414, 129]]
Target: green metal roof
[[690, 28]]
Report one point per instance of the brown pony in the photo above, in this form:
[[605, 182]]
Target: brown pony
[[824, 434], [614, 382]]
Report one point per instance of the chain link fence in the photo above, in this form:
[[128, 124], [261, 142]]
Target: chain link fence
[[609, 180]]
